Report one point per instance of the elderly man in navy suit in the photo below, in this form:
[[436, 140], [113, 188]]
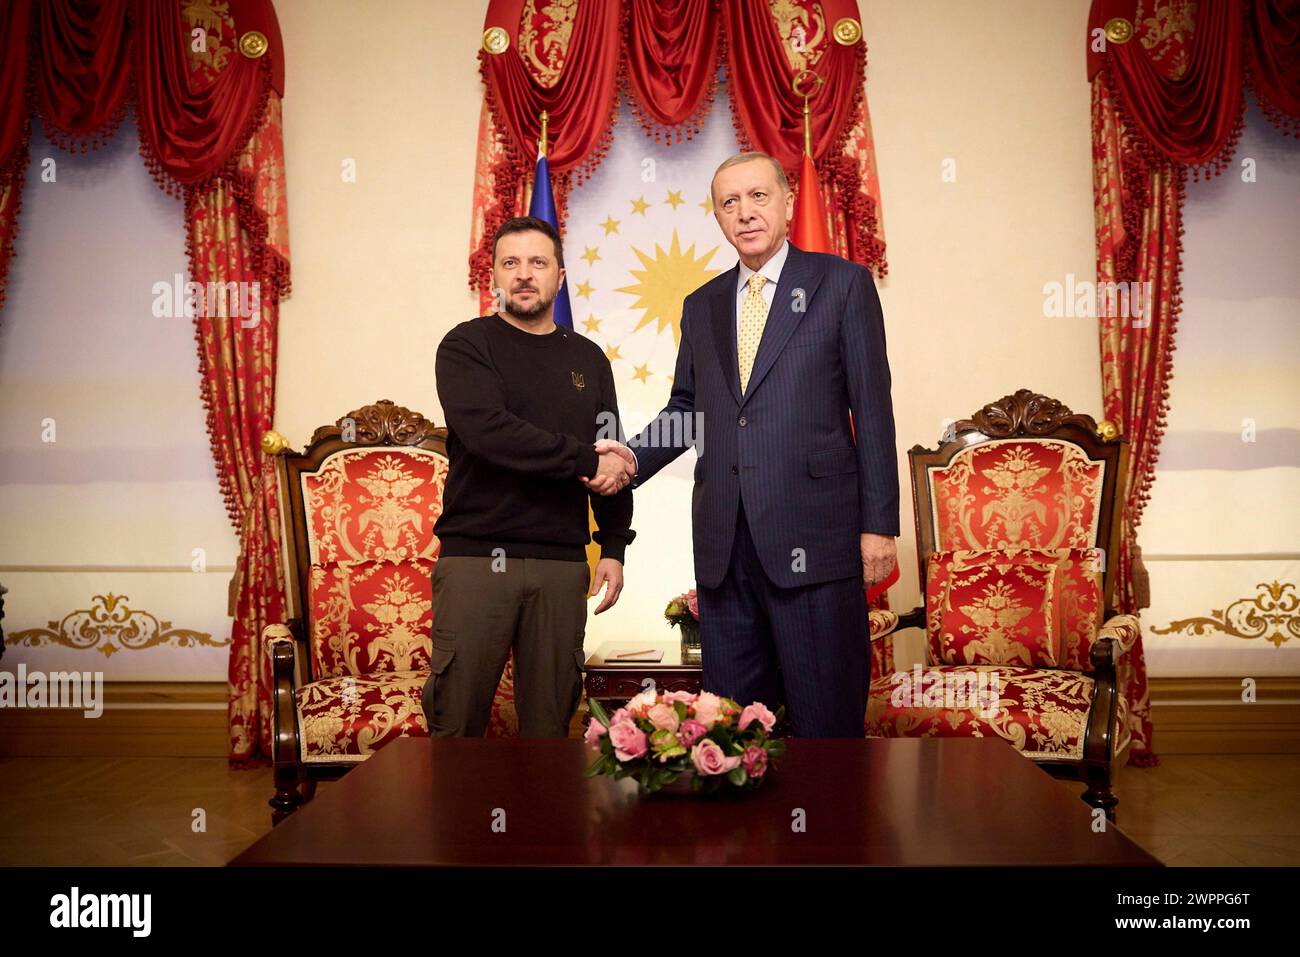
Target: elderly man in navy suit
[[791, 513]]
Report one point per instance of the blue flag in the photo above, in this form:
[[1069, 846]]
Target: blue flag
[[543, 207]]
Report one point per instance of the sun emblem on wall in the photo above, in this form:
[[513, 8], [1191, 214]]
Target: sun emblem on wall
[[668, 278]]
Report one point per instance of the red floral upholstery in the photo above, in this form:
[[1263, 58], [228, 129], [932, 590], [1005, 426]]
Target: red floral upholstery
[[1036, 607], [985, 608], [370, 518], [1041, 713], [370, 514], [1023, 492], [370, 617], [346, 719]]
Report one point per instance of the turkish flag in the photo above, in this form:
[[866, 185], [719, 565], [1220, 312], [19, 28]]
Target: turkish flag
[[808, 228]]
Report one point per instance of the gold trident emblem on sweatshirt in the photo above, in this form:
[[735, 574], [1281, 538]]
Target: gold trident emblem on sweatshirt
[[578, 382]]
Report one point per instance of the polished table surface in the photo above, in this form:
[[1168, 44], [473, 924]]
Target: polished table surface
[[878, 801]]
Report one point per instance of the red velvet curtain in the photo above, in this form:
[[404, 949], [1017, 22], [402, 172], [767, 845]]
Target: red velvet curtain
[[15, 124], [1273, 60], [210, 131], [579, 98], [83, 70], [1167, 97], [1184, 94], [667, 54], [670, 62]]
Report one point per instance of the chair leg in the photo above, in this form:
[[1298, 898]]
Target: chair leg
[[287, 799], [1099, 794]]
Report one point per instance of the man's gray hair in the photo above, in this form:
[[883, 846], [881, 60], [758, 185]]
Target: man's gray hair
[[745, 158]]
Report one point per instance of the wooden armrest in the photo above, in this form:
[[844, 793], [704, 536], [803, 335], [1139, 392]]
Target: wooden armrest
[[885, 623], [282, 643]]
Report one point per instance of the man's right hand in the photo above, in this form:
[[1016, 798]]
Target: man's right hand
[[615, 468]]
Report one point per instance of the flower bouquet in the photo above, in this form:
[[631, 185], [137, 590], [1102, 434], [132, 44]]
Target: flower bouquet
[[684, 612], [704, 739]]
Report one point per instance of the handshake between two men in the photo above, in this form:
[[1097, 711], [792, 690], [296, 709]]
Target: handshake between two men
[[615, 469]]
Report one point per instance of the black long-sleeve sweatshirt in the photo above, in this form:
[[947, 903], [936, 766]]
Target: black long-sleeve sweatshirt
[[522, 412]]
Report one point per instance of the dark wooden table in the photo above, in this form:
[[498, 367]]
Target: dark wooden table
[[879, 801]]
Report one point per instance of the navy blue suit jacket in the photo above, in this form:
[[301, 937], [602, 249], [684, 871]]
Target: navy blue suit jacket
[[785, 446]]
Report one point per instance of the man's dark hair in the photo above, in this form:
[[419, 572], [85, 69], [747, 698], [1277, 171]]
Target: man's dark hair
[[529, 224]]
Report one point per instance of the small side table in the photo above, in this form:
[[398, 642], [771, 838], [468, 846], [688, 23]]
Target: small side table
[[613, 682]]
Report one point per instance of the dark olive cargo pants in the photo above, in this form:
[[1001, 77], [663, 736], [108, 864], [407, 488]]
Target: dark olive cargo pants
[[482, 607]]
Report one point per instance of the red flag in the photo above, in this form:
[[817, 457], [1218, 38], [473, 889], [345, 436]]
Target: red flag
[[808, 229]]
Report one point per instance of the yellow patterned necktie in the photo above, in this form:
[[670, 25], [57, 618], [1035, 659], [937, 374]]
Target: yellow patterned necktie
[[753, 316]]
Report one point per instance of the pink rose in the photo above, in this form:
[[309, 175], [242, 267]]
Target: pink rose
[[641, 703], [595, 731], [709, 759], [621, 714], [758, 711], [693, 603], [755, 761], [685, 697], [690, 732], [708, 708], [664, 717], [629, 741]]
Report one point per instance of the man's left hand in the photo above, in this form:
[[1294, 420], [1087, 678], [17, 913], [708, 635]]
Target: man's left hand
[[879, 555], [609, 572]]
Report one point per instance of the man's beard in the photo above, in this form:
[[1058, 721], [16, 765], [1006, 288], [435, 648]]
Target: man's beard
[[529, 312]]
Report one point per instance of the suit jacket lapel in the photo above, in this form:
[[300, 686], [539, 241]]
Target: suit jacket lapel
[[783, 318], [723, 320]]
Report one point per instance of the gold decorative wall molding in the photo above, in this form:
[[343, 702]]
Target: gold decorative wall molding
[[1273, 614], [109, 626]]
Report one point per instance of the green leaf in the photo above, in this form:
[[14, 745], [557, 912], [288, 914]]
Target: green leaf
[[737, 776], [598, 711]]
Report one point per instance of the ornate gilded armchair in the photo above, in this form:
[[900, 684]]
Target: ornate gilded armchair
[[1016, 512], [358, 505]]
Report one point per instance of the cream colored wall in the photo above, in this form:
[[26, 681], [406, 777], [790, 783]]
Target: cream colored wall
[[380, 264]]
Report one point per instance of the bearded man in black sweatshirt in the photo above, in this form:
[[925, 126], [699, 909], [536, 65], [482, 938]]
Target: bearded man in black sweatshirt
[[525, 401]]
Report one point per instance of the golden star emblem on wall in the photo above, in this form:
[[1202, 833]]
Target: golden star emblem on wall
[[667, 277], [584, 290], [642, 372], [591, 255], [707, 206], [610, 224], [592, 324], [639, 205], [674, 199], [611, 353]]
